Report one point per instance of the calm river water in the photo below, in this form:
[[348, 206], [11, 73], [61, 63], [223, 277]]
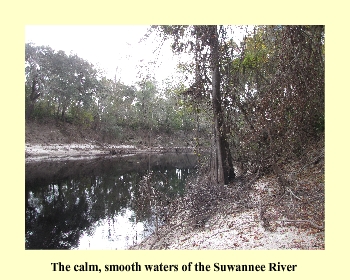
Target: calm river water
[[94, 204]]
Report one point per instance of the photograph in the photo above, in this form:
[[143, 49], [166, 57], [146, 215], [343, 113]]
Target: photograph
[[174, 137]]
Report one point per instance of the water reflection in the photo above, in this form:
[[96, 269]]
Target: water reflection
[[93, 204]]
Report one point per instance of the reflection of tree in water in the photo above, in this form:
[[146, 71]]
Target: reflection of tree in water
[[155, 192], [57, 228], [59, 212]]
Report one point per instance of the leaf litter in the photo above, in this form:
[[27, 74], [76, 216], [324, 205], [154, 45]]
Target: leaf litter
[[251, 213]]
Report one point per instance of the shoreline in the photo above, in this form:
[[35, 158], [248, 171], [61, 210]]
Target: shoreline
[[76, 151], [236, 227]]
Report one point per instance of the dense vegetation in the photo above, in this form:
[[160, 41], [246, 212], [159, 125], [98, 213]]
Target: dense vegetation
[[266, 94], [260, 102]]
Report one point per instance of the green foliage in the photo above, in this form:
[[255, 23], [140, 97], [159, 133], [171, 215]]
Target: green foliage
[[43, 110], [81, 117], [64, 81], [110, 128]]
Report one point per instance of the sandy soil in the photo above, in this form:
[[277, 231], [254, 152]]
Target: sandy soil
[[241, 230], [244, 232], [39, 152]]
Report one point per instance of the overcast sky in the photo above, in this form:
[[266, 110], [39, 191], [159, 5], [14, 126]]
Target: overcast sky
[[115, 49]]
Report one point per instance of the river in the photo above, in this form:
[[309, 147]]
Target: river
[[95, 203]]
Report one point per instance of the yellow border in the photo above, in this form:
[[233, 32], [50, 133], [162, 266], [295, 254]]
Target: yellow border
[[16, 261]]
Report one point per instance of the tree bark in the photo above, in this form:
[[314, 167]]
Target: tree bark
[[222, 165]]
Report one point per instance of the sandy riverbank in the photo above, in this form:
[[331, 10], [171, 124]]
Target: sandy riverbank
[[44, 152], [38, 152], [237, 228]]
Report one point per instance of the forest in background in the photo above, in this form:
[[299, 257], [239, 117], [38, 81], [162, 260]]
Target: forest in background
[[258, 103]]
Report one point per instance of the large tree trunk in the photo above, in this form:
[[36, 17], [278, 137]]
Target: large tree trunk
[[222, 166]]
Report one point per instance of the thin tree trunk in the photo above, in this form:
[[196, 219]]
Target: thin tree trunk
[[222, 155], [34, 95]]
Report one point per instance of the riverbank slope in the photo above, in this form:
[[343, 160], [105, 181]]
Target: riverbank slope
[[251, 213], [59, 141]]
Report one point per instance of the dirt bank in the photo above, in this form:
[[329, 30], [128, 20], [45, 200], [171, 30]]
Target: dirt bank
[[57, 141]]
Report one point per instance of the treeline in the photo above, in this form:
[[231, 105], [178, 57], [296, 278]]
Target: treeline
[[67, 88]]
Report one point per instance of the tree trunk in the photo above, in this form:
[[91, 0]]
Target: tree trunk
[[223, 167], [34, 95]]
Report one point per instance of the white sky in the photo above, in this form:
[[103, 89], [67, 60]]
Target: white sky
[[115, 49]]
